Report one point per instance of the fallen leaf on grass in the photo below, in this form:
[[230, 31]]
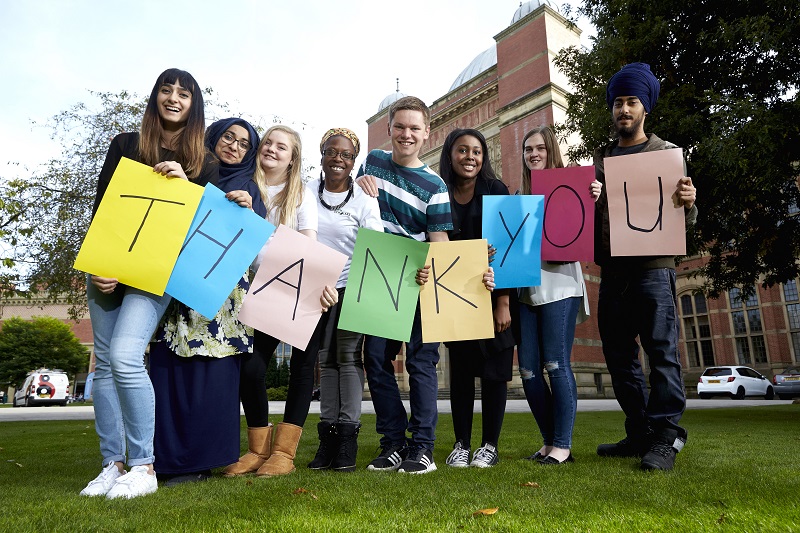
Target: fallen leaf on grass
[[486, 512], [531, 484], [721, 518], [304, 491]]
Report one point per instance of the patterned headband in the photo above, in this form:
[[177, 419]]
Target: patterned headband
[[344, 132]]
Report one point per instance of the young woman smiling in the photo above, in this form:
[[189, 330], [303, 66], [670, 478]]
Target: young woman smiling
[[287, 202], [548, 315], [468, 173], [124, 318], [343, 209]]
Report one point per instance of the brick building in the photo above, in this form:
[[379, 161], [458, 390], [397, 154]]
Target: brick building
[[513, 87]]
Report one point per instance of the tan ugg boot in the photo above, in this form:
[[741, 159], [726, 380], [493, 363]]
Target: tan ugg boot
[[259, 444], [281, 462]]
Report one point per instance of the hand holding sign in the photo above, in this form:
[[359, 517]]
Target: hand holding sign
[[222, 241], [139, 228], [644, 214], [284, 298], [568, 226], [455, 304], [513, 225]]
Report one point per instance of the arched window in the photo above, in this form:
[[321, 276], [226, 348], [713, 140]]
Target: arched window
[[697, 330], [747, 328], [793, 314]]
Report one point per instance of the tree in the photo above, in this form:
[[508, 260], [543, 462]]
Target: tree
[[47, 213], [273, 373], [284, 374], [44, 216], [43, 342], [729, 81]]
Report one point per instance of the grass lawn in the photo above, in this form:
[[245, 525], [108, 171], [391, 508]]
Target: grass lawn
[[740, 471]]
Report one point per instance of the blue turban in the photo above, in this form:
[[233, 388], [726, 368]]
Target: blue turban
[[239, 176], [634, 79]]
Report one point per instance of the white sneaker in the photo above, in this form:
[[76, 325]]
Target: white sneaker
[[100, 485], [135, 483], [485, 457], [459, 457]]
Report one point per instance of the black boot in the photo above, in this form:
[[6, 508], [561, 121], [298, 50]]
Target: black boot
[[327, 447], [347, 437]]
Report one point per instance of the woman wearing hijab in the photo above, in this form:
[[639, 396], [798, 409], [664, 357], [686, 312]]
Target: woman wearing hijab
[[195, 364]]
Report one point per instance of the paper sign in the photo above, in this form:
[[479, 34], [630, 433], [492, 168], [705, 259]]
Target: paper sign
[[222, 241], [455, 304], [643, 216], [381, 296], [283, 300], [568, 228], [139, 227], [513, 225]]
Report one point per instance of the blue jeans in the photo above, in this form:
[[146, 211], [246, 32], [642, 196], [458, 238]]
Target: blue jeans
[[643, 303], [421, 360], [124, 404], [547, 333]]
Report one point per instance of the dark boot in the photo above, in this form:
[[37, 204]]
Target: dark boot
[[347, 437], [327, 447]]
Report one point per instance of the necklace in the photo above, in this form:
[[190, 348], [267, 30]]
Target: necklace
[[335, 207]]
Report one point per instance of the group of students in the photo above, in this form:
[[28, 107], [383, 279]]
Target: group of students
[[183, 419]]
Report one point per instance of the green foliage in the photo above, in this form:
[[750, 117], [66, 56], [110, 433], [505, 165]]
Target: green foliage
[[273, 374], [738, 472], [729, 97], [48, 212], [283, 380], [43, 342], [278, 394]]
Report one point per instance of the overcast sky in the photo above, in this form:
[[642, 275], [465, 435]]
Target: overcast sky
[[316, 64]]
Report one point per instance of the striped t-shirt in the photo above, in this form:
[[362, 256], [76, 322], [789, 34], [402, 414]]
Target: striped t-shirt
[[413, 201]]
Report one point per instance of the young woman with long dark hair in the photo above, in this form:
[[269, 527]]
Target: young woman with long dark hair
[[465, 168], [124, 318]]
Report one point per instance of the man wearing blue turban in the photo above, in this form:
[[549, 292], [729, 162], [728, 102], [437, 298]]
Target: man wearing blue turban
[[638, 296]]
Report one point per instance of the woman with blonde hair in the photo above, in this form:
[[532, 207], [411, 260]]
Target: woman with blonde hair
[[288, 202]]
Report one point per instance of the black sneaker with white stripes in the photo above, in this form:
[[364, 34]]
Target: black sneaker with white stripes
[[389, 459], [419, 461]]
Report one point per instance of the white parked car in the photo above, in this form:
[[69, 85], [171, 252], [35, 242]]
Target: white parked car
[[734, 381]]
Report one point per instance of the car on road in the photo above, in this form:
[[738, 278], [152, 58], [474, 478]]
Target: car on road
[[43, 387], [787, 383], [734, 381]]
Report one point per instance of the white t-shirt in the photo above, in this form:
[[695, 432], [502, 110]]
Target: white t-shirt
[[307, 218], [338, 229], [559, 281]]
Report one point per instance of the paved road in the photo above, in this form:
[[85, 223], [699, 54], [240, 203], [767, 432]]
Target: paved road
[[513, 406]]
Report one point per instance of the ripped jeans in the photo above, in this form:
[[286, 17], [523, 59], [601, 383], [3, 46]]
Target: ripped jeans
[[548, 331]]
